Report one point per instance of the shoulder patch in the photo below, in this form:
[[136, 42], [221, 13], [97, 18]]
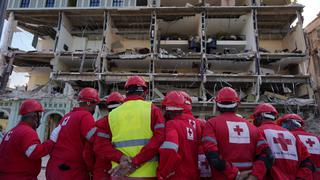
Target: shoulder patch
[[238, 132]]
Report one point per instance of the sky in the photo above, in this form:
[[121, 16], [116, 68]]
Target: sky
[[22, 39]]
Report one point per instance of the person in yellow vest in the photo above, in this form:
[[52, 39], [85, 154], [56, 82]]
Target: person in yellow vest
[[135, 131]]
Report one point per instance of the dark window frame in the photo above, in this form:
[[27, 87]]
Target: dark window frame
[[117, 3], [94, 3], [50, 3], [25, 3]]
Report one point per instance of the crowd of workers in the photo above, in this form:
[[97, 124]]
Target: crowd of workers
[[138, 140]]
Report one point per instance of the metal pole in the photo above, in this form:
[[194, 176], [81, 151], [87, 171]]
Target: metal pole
[[3, 7]]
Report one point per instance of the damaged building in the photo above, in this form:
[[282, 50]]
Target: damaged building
[[257, 47]]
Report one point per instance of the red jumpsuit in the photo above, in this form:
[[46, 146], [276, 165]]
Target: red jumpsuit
[[66, 160], [288, 151], [99, 167], [105, 151], [312, 143], [178, 153], [21, 152], [238, 142], [203, 165]]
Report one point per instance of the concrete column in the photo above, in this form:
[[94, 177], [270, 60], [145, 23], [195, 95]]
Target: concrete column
[[8, 33]]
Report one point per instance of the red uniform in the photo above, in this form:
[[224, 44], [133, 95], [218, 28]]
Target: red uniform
[[66, 161], [288, 151], [104, 149], [21, 152], [238, 143], [99, 167], [312, 143], [178, 154]]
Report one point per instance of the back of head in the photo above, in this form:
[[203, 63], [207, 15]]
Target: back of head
[[291, 121], [88, 98], [114, 100], [136, 85], [264, 112], [30, 111], [188, 100], [227, 100], [173, 104]]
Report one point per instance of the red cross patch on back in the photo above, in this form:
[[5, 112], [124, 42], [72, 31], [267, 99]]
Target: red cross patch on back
[[190, 135], [238, 132], [282, 144], [311, 142]]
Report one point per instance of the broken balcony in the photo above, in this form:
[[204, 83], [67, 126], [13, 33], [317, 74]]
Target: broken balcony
[[282, 43], [230, 41], [227, 2], [127, 42]]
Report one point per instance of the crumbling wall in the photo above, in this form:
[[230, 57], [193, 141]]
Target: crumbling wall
[[45, 44], [294, 40], [65, 37]]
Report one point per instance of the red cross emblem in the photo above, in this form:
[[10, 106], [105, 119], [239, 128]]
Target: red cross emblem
[[282, 141], [238, 130], [205, 164], [310, 142]]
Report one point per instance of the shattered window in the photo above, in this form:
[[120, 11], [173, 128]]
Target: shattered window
[[25, 3], [50, 3], [117, 3], [94, 3]]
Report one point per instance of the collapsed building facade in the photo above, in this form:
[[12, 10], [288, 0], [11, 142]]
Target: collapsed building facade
[[197, 46]]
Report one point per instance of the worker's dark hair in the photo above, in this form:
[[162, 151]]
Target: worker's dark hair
[[136, 90], [27, 116]]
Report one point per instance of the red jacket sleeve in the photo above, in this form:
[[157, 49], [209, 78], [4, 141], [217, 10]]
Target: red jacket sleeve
[[210, 145], [88, 155], [151, 149], [303, 171], [169, 157], [259, 169], [33, 148], [87, 127], [102, 144]]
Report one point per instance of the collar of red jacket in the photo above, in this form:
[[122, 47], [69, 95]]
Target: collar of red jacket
[[184, 116], [79, 109], [133, 97], [268, 122], [298, 130], [25, 123]]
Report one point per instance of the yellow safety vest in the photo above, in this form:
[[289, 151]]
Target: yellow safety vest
[[130, 127]]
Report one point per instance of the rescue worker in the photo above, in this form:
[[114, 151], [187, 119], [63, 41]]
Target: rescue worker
[[99, 166], [294, 123], [66, 160], [234, 148], [136, 129], [21, 150], [178, 153], [203, 165], [292, 160]]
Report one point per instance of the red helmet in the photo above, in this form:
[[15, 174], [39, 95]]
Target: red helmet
[[135, 80], [188, 100], [29, 106], [174, 101], [115, 97], [265, 108], [291, 117], [227, 94], [88, 95]]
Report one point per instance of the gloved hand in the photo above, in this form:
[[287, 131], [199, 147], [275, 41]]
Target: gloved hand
[[124, 168], [55, 133]]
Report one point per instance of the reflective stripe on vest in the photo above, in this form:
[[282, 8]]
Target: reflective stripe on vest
[[130, 125], [242, 164]]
